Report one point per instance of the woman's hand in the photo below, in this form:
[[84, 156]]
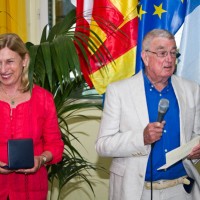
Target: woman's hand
[[38, 163], [4, 168]]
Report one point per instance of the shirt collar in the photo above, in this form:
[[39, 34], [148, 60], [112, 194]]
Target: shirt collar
[[149, 84]]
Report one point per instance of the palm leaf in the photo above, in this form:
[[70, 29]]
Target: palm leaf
[[55, 66]]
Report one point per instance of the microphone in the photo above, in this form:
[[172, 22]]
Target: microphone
[[162, 109]]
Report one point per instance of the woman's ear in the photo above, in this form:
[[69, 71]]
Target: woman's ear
[[25, 60]]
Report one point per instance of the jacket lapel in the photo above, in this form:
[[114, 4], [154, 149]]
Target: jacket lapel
[[139, 98], [180, 95]]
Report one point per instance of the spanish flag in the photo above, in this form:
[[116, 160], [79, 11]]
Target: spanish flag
[[116, 24]]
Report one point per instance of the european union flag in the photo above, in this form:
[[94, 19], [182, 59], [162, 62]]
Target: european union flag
[[165, 14]]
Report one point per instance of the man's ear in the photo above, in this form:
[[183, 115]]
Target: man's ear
[[144, 57]]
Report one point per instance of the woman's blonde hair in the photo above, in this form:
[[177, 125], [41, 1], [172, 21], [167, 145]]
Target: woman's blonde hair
[[15, 43]]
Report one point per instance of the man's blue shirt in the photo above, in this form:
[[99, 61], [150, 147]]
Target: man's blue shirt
[[171, 133]]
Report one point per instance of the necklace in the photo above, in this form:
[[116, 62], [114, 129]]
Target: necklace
[[10, 98]]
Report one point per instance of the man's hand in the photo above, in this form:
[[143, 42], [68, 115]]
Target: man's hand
[[195, 154], [153, 132]]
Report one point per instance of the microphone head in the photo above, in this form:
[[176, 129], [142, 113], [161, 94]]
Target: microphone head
[[163, 105]]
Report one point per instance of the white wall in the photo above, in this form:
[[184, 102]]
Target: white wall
[[37, 19], [99, 179]]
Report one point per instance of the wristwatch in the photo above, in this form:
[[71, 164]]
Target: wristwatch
[[44, 159]]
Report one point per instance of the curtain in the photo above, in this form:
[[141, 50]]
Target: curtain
[[13, 17]]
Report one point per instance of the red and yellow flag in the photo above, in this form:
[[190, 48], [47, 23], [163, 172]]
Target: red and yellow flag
[[120, 42]]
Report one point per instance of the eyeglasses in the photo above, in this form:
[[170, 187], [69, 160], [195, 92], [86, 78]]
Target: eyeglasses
[[174, 54]]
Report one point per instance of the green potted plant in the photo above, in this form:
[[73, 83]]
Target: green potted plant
[[55, 66]]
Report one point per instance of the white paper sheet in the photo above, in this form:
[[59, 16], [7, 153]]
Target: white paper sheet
[[180, 153]]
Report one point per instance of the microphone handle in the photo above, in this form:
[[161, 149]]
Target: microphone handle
[[160, 117]]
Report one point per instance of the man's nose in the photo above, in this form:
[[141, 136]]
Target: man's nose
[[169, 57]]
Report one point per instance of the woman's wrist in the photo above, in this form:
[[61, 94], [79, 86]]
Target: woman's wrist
[[46, 157], [43, 158]]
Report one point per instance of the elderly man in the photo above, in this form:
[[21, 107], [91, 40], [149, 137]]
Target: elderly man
[[131, 134]]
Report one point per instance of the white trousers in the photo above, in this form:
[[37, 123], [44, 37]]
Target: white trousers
[[173, 193]]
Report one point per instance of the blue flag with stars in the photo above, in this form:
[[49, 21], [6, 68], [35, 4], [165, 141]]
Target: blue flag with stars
[[165, 14]]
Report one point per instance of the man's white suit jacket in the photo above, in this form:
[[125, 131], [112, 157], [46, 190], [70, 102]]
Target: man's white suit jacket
[[121, 133]]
